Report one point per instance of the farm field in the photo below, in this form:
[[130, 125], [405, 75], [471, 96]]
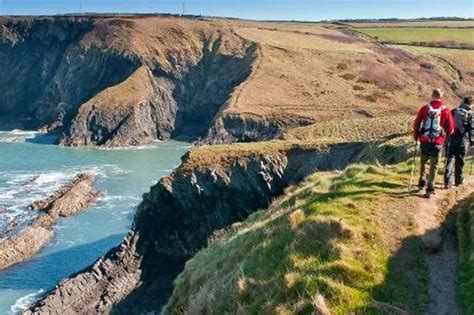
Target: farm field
[[457, 64], [408, 35], [415, 23]]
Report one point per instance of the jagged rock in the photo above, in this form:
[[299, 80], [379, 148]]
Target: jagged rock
[[69, 199], [66, 201], [119, 82], [177, 218]]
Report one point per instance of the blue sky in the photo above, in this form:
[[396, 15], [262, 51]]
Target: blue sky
[[254, 9]]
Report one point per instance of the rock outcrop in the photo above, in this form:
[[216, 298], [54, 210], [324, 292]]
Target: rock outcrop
[[119, 81], [180, 213], [73, 197]]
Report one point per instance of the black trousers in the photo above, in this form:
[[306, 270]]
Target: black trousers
[[456, 154]]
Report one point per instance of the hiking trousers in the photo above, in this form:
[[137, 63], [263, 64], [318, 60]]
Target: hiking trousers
[[456, 154], [429, 153]]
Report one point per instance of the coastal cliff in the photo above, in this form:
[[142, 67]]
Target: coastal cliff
[[210, 191], [119, 81]]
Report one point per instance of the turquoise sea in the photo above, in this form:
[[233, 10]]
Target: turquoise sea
[[31, 169]]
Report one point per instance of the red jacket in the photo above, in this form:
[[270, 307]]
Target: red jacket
[[446, 122]]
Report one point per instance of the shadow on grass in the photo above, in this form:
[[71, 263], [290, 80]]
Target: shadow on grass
[[407, 281]]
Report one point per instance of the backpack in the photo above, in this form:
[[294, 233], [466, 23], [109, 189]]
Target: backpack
[[461, 120], [431, 127]]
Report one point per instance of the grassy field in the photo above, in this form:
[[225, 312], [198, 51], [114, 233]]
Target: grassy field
[[418, 34], [353, 130], [407, 35], [316, 71], [450, 63], [327, 244], [414, 23], [466, 263]]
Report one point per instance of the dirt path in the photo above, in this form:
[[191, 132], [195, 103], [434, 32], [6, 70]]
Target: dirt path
[[434, 220]]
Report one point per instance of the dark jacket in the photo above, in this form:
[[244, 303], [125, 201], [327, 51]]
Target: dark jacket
[[464, 128]]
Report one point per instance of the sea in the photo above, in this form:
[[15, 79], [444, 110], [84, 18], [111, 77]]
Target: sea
[[31, 168]]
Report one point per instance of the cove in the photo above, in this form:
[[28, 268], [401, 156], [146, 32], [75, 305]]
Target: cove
[[30, 171]]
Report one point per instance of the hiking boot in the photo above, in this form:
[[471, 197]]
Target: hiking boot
[[459, 182], [429, 194], [448, 186], [430, 191], [421, 184]]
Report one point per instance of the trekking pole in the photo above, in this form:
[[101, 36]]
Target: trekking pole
[[413, 166], [470, 166]]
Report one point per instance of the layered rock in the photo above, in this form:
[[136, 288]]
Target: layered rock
[[73, 197], [136, 111], [230, 128], [180, 213], [119, 81]]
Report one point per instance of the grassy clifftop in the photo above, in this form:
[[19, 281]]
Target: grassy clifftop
[[326, 244]]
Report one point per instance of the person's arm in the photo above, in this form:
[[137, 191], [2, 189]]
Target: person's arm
[[417, 124], [449, 123]]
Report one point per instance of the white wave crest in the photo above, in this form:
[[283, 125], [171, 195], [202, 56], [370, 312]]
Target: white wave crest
[[24, 302]]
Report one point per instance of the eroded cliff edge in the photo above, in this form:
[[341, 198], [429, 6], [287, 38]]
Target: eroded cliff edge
[[129, 80], [119, 81], [213, 188]]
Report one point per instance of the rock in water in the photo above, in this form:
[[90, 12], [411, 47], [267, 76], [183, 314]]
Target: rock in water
[[69, 199], [73, 197]]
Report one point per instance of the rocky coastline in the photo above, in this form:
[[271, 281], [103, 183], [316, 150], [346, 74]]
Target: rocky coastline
[[179, 215], [21, 245]]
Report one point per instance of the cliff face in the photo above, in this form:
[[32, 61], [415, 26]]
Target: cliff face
[[47, 75], [180, 213], [119, 82]]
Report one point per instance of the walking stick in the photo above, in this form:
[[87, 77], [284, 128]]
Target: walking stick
[[413, 166], [470, 171]]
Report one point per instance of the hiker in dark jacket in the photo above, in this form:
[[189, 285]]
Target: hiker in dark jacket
[[459, 143], [432, 124]]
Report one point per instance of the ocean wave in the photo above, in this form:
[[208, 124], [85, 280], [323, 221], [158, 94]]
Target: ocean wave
[[17, 135], [24, 302]]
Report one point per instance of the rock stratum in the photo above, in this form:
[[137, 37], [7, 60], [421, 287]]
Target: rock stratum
[[129, 80], [212, 189], [68, 200]]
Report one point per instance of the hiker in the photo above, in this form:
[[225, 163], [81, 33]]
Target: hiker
[[458, 144], [432, 124]]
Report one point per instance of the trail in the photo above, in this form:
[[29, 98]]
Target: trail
[[436, 225]]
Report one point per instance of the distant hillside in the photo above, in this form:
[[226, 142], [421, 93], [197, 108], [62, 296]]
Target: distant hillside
[[128, 80]]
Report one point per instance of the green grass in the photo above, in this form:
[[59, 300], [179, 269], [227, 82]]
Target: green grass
[[332, 236], [418, 35], [364, 129], [466, 257]]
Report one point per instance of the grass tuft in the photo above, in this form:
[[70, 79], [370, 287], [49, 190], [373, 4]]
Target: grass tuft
[[465, 226]]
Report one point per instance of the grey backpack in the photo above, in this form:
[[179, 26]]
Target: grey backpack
[[461, 120]]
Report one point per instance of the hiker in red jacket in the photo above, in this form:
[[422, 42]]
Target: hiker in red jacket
[[433, 124]]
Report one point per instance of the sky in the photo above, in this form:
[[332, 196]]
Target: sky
[[303, 10]]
